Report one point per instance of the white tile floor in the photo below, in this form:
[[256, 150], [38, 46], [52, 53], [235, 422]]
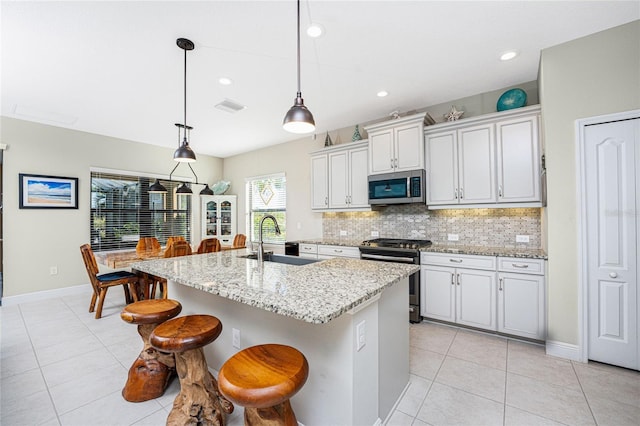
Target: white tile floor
[[60, 366]]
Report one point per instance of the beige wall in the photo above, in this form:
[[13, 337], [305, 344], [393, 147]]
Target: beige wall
[[595, 75], [35, 240]]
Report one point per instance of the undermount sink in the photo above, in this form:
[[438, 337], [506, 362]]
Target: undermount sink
[[280, 258]]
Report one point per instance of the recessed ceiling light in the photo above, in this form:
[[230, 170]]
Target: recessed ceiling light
[[382, 93], [508, 55], [225, 81], [315, 30]]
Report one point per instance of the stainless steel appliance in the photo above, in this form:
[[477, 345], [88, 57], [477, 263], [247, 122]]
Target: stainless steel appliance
[[397, 188], [402, 251]]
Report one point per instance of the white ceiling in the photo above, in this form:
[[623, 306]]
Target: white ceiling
[[113, 68]]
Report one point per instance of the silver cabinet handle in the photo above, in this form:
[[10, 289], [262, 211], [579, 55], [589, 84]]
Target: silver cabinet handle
[[455, 260], [391, 161], [500, 287], [452, 279], [458, 279], [500, 191], [515, 265], [326, 201], [346, 200], [337, 251], [461, 193], [613, 275], [395, 164], [456, 193]]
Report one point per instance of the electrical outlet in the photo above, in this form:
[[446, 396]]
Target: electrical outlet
[[375, 234], [343, 233], [53, 270], [452, 237], [522, 238], [361, 334], [236, 338]]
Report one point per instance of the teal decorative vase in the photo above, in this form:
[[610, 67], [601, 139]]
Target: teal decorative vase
[[356, 134]]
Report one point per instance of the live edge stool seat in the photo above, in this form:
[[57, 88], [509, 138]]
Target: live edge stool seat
[[199, 401], [262, 379], [151, 372]]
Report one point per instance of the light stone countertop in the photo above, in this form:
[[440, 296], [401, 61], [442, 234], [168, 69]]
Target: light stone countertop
[[315, 293]]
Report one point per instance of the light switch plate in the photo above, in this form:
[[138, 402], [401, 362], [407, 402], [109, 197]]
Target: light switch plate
[[522, 238], [361, 335], [375, 234], [452, 237], [343, 233]]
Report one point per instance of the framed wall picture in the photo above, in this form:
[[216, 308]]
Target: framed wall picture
[[48, 192]]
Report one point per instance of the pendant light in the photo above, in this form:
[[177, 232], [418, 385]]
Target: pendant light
[[206, 190], [184, 153], [157, 188], [299, 119]]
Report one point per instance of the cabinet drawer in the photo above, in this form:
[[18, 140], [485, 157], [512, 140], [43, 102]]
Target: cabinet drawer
[[459, 260], [521, 266], [308, 249], [341, 251]]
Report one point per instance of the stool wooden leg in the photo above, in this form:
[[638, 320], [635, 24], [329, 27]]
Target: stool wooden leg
[[150, 373], [278, 415], [199, 401]]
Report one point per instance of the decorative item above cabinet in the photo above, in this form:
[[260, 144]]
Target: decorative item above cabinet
[[396, 145], [487, 161], [339, 178]]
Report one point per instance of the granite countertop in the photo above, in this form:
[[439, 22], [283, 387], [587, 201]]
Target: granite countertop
[[315, 293], [520, 252], [331, 242]]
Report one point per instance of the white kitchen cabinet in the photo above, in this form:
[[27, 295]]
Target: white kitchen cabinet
[[486, 161], [339, 178], [521, 293], [307, 250], [518, 160], [456, 294], [348, 178], [219, 217], [396, 145], [329, 251]]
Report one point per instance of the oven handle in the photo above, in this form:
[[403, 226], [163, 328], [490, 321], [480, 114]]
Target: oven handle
[[400, 259]]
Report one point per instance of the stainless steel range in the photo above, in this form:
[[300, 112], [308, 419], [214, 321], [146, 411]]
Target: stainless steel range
[[402, 251]]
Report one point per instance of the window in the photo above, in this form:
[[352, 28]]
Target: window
[[267, 195], [122, 211]]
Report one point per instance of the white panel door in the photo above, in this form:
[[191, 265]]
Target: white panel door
[[476, 159], [409, 147], [319, 182], [438, 293], [338, 179], [521, 305], [381, 155], [612, 186], [442, 168], [358, 186], [476, 298]]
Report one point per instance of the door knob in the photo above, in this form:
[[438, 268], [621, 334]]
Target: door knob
[[613, 275]]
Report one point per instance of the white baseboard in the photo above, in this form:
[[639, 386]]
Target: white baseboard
[[563, 350], [45, 294]]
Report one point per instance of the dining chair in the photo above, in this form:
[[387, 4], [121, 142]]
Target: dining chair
[[209, 245], [170, 240], [148, 243], [239, 241], [101, 283], [178, 248]]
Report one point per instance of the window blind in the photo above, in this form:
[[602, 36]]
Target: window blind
[[267, 195], [122, 211]]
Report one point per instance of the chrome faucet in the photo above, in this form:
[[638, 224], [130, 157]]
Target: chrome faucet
[[260, 244]]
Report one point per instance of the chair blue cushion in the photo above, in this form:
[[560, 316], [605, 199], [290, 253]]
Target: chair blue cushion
[[111, 276]]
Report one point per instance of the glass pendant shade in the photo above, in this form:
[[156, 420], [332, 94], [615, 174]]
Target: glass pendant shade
[[299, 119], [157, 188], [206, 190], [184, 190]]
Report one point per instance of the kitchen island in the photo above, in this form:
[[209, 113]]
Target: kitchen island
[[320, 309]]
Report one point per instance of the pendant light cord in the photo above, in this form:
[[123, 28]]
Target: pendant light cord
[[299, 93], [185, 94]]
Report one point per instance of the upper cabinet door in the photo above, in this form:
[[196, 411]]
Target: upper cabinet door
[[518, 160], [409, 147], [338, 179], [319, 182], [381, 156], [358, 171], [476, 159], [442, 168]]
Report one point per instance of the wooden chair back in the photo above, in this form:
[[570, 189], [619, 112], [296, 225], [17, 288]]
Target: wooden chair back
[[147, 244], [239, 240], [170, 240], [178, 248], [91, 265], [209, 245]]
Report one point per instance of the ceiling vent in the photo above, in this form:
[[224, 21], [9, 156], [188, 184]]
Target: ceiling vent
[[230, 106]]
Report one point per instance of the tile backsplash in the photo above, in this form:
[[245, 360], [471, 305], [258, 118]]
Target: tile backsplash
[[475, 227]]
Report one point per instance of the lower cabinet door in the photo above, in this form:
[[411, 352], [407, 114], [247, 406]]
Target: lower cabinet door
[[476, 298], [437, 293], [521, 305]]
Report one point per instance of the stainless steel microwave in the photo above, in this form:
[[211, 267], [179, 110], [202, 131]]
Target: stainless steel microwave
[[397, 188]]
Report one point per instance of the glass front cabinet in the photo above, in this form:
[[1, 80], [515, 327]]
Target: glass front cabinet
[[219, 218]]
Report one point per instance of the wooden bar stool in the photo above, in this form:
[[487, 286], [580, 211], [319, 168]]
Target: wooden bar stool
[[199, 401], [152, 370], [262, 379]]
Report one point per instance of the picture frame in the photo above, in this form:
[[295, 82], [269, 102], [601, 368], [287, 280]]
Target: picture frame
[[48, 192]]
